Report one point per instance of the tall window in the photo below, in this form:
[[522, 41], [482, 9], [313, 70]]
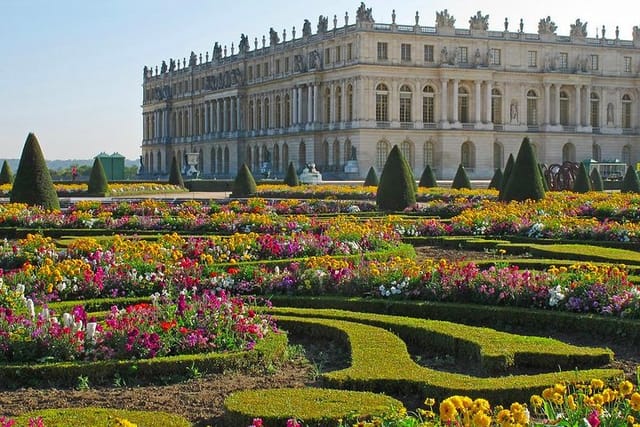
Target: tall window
[[428, 153], [595, 110], [336, 153], [278, 112], [287, 110], [349, 103], [267, 114], [302, 154], [349, 51], [564, 108], [327, 55], [428, 53], [275, 164], [405, 52], [463, 55], [496, 106], [468, 155], [626, 111], [383, 51], [594, 62], [382, 103], [338, 54], [259, 114], [286, 65], [463, 105], [596, 152], [428, 105], [325, 154], [494, 56], [285, 157], [405, 104], [627, 64], [277, 66], [532, 108], [406, 148], [338, 104], [327, 105], [382, 151], [563, 61], [498, 155]]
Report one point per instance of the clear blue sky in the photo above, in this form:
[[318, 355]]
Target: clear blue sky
[[71, 70]]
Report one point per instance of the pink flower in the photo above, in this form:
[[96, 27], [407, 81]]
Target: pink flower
[[593, 419]]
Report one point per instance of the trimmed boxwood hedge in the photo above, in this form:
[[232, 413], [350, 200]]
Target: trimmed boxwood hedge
[[102, 417]]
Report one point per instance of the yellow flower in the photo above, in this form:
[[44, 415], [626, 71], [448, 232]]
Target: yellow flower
[[560, 388], [547, 393], [481, 405], [448, 410], [625, 388], [571, 403], [557, 398], [597, 384], [429, 401], [504, 417], [634, 401], [536, 401], [481, 420]]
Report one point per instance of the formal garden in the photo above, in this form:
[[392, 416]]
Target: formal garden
[[388, 304]]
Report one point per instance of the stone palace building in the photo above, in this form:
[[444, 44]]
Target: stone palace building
[[343, 96]]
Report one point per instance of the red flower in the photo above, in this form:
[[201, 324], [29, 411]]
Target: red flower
[[233, 270], [167, 325]]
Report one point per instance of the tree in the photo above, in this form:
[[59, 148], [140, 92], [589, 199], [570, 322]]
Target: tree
[[175, 177], [630, 183], [98, 185], [582, 183], [32, 184], [6, 174], [428, 178], [496, 180], [372, 178], [461, 180], [291, 178], [397, 187], [244, 185], [596, 180], [505, 175], [525, 181]]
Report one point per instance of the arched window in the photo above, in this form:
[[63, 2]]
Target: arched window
[[626, 155], [336, 153], [532, 108], [159, 161], [150, 163], [278, 112], [498, 155], [596, 152], [428, 105], [427, 154], [248, 161], [349, 103], [382, 103], [468, 155], [212, 161], [564, 108], [325, 154], [405, 104], [287, 111], [285, 156], [338, 107], [568, 152], [496, 106], [382, 151], [327, 105], [256, 159], [595, 110], [266, 155], [219, 165], [463, 105], [626, 111], [406, 148], [302, 154]]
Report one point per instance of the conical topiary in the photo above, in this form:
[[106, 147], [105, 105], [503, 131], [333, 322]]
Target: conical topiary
[[461, 180], [98, 185], [32, 184], [428, 178], [496, 181], [244, 184], [372, 178], [175, 177], [597, 184], [582, 183], [545, 183], [630, 183], [397, 187], [6, 174], [525, 181], [505, 175], [291, 178]]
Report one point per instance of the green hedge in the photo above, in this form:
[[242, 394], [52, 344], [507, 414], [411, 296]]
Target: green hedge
[[102, 417]]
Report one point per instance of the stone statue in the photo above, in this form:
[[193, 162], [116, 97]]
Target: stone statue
[[314, 59], [477, 58], [547, 26], [193, 59], [479, 22], [603, 32], [298, 64], [617, 32], [521, 25], [243, 46], [444, 56], [172, 65], [443, 19], [274, 39], [217, 52], [353, 153], [323, 24], [163, 67], [579, 30], [513, 111], [363, 14], [417, 18], [141, 169], [609, 114], [506, 24], [306, 28], [636, 33], [393, 16], [145, 72]]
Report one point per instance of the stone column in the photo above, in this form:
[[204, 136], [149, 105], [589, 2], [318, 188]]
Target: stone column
[[487, 101], [547, 103], [165, 123], [310, 103], [299, 99], [206, 118], [478, 104], [343, 101], [587, 108], [232, 114], [238, 114], [225, 114], [454, 101], [444, 107], [556, 102], [578, 102], [315, 103], [332, 104], [294, 106]]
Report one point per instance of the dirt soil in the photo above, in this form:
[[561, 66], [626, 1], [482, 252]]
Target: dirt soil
[[201, 399]]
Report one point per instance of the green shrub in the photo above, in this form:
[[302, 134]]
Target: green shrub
[[32, 184], [505, 175], [372, 178], [461, 180], [582, 183], [102, 417], [630, 183], [596, 180], [291, 178], [428, 178], [525, 181], [6, 174], [397, 187], [545, 183], [175, 177], [244, 184], [98, 185], [496, 180]]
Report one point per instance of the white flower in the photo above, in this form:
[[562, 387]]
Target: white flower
[[31, 309]]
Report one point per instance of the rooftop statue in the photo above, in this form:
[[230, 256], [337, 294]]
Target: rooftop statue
[[217, 52], [243, 46], [479, 22], [363, 14], [323, 24], [443, 19], [636, 33], [579, 29], [274, 38], [172, 64], [163, 67], [547, 26], [193, 59], [306, 28]]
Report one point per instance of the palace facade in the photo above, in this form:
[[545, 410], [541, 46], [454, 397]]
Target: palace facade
[[343, 96]]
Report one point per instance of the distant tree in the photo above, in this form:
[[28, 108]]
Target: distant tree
[[175, 177], [372, 178], [496, 180], [582, 184], [525, 181], [596, 180], [98, 185], [505, 175], [6, 174], [461, 180], [428, 178], [32, 184], [291, 178], [244, 185], [397, 187], [630, 183]]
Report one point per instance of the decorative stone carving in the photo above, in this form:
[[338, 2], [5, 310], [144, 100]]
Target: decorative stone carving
[[636, 33], [298, 64], [444, 56], [314, 60], [363, 14], [274, 39], [581, 64], [306, 28], [172, 65], [217, 52], [479, 22], [145, 72], [243, 46], [578, 30], [193, 59], [323, 24], [547, 26], [443, 19]]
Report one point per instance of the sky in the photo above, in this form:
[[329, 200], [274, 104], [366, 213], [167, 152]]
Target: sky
[[71, 70]]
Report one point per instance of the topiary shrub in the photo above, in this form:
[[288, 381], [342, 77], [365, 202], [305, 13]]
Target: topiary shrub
[[630, 183], [596, 180], [461, 180], [291, 178], [496, 180], [6, 174], [372, 178], [525, 181], [98, 185], [32, 184], [582, 183], [175, 177], [428, 178], [244, 184], [397, 188], [505, 175], [545, 183]]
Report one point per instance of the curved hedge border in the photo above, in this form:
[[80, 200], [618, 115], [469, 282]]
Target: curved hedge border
[[269, 350], [312, 406], [102, 417]]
